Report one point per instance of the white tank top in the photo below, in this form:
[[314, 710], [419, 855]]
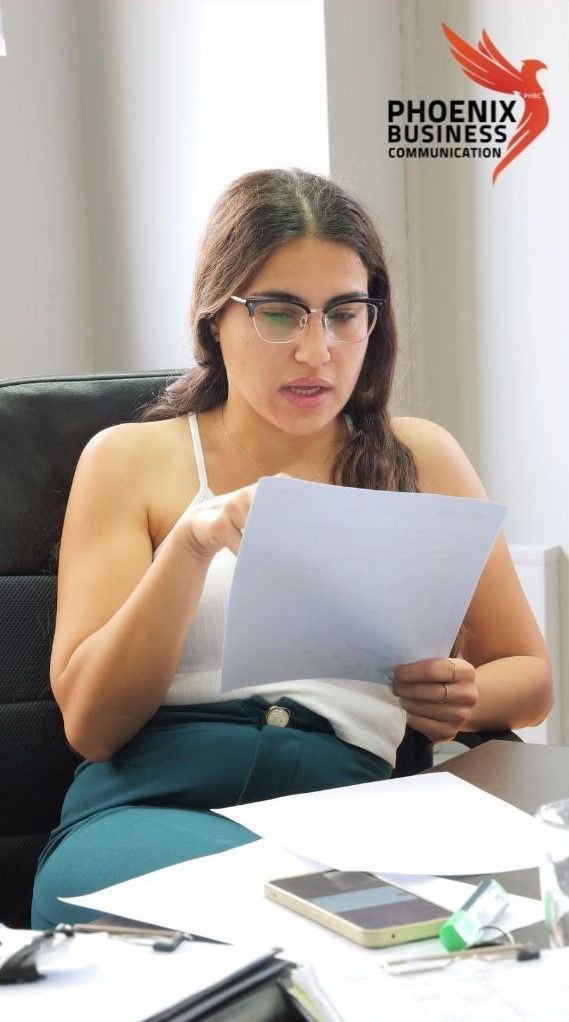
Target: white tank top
[[360, 712]]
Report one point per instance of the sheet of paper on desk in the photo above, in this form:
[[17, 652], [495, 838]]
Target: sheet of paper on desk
[[434, 824], [121, 982], [476, 990], [221, 896], [339, 582], [452, 894]]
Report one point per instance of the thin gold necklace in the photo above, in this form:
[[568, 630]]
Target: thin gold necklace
[[251, 457]]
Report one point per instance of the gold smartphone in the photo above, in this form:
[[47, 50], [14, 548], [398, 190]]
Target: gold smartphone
[[359, 906]]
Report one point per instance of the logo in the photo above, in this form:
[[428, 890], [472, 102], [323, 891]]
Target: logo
[[488, 67]]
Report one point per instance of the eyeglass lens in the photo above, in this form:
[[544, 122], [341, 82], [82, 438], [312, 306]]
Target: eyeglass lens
[[349, 322]]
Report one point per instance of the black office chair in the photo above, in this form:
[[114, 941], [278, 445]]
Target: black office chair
[[44, 425], [416, 751]]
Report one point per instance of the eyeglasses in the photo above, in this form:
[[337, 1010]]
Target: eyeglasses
[[280, 322]]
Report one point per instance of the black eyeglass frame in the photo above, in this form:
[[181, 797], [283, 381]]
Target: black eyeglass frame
[[252, 303]]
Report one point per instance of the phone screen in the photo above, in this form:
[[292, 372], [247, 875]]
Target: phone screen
[[361, 898]]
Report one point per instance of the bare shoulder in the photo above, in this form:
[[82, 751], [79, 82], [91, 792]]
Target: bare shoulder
[[140, 449], [148, 466], [133, 441], [120, 459], [442, 465]]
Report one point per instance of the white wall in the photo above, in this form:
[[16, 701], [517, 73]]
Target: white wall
[[364, 66], [179, 99], [45, 318], [123, 121], [538, 572]]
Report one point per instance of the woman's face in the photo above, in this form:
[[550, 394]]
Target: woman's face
[[261, 374]]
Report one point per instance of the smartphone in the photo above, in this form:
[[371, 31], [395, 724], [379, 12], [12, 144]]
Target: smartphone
[[359, 906]]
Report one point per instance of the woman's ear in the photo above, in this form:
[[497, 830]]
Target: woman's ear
[[214, 328]]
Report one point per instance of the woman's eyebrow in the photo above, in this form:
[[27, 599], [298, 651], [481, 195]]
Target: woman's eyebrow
[[286, 296], [347, 297], [283, 296]]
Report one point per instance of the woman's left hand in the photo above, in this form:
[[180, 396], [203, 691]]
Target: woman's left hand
[[438, 696]]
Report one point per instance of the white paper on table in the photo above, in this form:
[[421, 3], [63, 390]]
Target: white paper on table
[[340, 582], [57, 955], [471, 990], [452, 894], [435, 824], [222, 896], [121, 982]]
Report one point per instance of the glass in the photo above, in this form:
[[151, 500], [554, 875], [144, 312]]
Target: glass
[[280, 322], [554, 870]]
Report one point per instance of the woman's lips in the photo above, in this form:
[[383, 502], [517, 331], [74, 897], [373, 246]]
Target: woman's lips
[[306, 396]]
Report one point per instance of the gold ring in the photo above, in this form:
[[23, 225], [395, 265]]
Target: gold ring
[[445, 697], [453, 663]]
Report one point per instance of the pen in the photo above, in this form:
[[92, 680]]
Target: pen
[[163, 939], [522, 952]]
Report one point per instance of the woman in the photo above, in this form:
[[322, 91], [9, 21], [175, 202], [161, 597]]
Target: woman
[[295, 344]]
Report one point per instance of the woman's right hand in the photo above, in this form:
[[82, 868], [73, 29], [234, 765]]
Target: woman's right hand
[[217, 522]]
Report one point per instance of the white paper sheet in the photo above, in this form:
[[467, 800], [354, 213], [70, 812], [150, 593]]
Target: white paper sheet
[[452, 894], [339, 582], [476, 990], [120, 982], [434, 824], [221, 896]]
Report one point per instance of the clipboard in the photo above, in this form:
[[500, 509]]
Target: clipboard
[[90, 976]]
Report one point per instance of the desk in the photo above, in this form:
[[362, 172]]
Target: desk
[[526, 776]]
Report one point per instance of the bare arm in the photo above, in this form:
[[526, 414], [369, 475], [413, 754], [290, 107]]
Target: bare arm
[[121, 617], [504, 679]]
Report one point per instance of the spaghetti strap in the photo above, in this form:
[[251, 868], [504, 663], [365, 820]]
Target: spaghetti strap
[[204, 492], [200, 463]]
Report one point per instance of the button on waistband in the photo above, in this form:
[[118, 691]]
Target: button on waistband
[[277, 716]]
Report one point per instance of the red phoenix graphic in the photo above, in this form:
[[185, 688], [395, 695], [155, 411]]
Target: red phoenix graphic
[[487, 66]]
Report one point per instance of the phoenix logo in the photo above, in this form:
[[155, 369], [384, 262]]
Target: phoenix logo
[[488, 67]]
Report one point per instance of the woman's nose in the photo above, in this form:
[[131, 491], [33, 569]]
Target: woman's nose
[[313, 343]]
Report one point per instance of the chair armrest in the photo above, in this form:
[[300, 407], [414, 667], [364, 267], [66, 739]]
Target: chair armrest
[[414, 754], [472, 739]]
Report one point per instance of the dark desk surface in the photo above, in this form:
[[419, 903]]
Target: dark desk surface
[[526, 776]]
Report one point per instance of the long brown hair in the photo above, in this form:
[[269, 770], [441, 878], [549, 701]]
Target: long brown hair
[[257, 213]]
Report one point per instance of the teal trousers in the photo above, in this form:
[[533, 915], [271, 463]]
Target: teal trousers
[[150, 805]]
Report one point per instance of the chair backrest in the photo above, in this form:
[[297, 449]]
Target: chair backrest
[[44, 425]]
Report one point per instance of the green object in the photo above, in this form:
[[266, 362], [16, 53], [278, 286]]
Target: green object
[[482, 909]]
